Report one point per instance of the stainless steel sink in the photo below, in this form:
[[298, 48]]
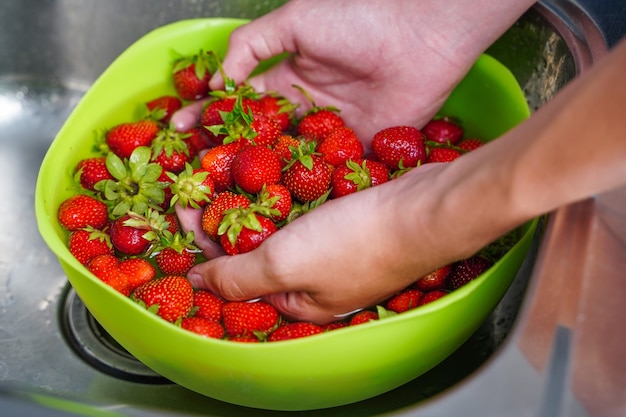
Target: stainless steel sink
[[55, 357]]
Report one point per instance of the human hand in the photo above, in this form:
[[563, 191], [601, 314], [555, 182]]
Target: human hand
[[327, 262], [382, 63]]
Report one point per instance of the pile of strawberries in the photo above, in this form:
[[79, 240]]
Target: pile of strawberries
[[252, 167]]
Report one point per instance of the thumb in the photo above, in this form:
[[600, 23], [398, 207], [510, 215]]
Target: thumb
[[235, 278]]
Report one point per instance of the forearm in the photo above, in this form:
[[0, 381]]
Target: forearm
[[572, 148]]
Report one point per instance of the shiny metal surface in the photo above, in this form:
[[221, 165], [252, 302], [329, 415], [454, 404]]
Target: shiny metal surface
[[520, 363]]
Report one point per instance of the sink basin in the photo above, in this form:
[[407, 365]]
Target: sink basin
[[55, 356]]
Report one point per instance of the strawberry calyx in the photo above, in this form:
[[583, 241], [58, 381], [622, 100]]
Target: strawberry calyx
[[302, 153], [189, 187], [359, 174], [168, 141], [154, 222], [178, 241], [135, 186], [238, 218], [237, 123], [299, 209], [204, 62]]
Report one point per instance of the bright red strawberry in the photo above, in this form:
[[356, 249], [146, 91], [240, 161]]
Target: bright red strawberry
[[278, 108], [162, 108], [175, 253], [435, 280], [170, 297], [170, 150], [208, 305], [247, 318], [294, 330], [277, 199], [247, 338], [442, 154], [467, 270], [191, 75], [88, 243], [431, 296], [357, 175], [81, 211], [218, 160], [444, 131], [399, 147], [192, 187], [470, 144], [340, 145], [243, 230], [307, 176], [128, 239], [213, 212], [363, 317], [196, 141], [334, 325], [404, 300], [203, 327], [255, 166], [138, 271], [317, 124], [284, 146], [213, 115], [124, 138], [105, 267], [92, 170]]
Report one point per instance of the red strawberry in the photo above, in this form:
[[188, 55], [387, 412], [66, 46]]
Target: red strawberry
[[255, 166], [466, 270], [340, 145], [162, 108], [191, 75], [284, 145], [357, 175], [444, 131], [213, 212], [318, 123], [170, 297], [278, 108], [207, 305], [138, 271], [247, 318], [170, 150], [105, 267], [442, 155], [435, 280], [203, 327], [243, 230], [334, 325], [214, 113], [196, 141], [277, 199], [128, 239], [81, 211], [88, 243], [247, 338], [307, 176], [124, 138], [294, 330], [404, 301], [92, 170], [431, 296], [470, 144], [218, 160], [363, 317], [175, 253], [399, 147]]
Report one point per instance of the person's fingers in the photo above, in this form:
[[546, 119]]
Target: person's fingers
[[190, 219], [250, 44]]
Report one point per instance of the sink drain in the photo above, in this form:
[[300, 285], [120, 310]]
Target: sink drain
[[94, 345]]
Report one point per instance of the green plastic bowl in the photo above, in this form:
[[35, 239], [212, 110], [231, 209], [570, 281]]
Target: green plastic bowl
[[326, 370]]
